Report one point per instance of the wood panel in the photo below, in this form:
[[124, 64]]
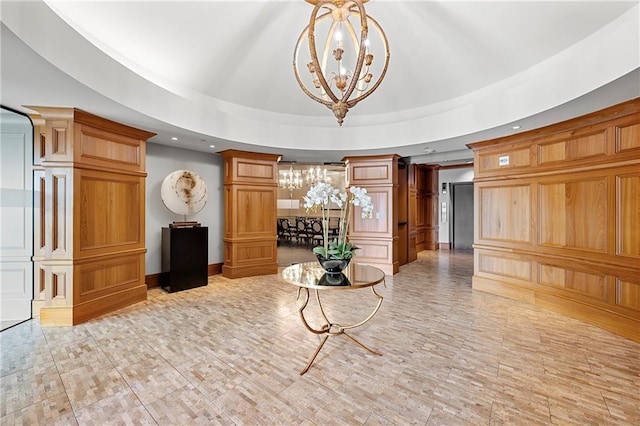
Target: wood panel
[[379, 224], [99, 277], [110, 212], [628, 223], [580, 199], [505, 159], [58, 213], [39, 209], [116, 299], [505, 213], [592, 285], [103, 149], [371, 173], [250, 258], [628, 137], [250, 168], [574, 214], [589, 145], [250, 200], [254, 170], [375, 252], [628, 294], [505, 265]]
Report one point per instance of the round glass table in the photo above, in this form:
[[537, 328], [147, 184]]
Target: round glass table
[[310, 276]]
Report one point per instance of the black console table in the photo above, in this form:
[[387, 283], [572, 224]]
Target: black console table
[[184, 258]]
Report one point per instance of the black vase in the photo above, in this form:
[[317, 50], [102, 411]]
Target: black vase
[[334, 280], [333, 266]]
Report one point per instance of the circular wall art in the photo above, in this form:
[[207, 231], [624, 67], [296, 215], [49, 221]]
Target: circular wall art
[[184, 192]]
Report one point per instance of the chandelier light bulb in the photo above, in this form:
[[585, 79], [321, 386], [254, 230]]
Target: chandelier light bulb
[[290, 179], [340, 65]]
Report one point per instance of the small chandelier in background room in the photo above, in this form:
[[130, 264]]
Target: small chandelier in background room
[[316, 175], [290, 179], [347, 67]]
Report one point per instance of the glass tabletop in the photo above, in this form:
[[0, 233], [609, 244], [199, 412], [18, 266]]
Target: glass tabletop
[[311, 275]]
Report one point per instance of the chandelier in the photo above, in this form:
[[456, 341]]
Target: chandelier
[[351, 74], [290, 179], [316, 175]]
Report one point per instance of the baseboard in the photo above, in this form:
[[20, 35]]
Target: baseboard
[[154, 280], [610, 321], [214, 269], [444, 246]]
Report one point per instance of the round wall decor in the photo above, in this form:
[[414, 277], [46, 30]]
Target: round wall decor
[[184, 192]]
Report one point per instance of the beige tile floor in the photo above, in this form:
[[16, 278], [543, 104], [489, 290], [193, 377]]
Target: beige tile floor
[[230, 353]]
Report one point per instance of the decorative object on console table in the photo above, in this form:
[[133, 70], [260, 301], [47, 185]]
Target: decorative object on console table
[[185, 243], [335, 255], [184, 192], [184, 258]]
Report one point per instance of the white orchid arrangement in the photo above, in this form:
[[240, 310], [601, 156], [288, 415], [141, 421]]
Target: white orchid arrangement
[[320, 196]]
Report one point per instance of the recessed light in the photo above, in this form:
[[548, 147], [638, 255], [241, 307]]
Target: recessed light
[[212, 146], [516, 127], [174, 138]]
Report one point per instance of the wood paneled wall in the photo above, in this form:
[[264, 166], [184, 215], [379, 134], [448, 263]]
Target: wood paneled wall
[[557, 214], [250, 205], [377, 237], [89, 178], [427, 224]]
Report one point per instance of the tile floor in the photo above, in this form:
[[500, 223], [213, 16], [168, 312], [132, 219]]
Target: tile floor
[[230, 353]]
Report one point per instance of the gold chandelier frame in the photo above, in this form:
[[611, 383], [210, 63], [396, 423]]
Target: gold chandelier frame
[[340, 10]]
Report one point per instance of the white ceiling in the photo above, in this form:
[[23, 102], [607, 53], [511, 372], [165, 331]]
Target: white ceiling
[[219, 72]]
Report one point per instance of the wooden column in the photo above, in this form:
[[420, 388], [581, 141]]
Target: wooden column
[[418, 183], [412, 216], [426, 210], [250, 205], [557, 213], [431, 193], [89, 220], [377, 237]]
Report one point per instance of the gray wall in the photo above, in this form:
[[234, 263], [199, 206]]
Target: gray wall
[[161, 161]]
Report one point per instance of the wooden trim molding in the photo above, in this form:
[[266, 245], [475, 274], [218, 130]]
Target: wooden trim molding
[[154, 280]]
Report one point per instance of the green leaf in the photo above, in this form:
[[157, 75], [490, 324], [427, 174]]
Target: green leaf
[[319, 250]]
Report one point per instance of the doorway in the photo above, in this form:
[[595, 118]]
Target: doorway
[[461, 215]]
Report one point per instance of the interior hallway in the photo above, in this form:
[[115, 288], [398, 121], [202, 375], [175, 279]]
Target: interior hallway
[[230, 353]]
